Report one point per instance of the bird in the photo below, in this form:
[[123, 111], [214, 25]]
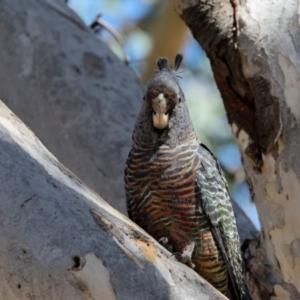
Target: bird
[[176, 190]]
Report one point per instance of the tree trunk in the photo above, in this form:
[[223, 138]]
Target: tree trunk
[[254, 49]]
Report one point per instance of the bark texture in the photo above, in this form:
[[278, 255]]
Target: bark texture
[[60, 240], [69, 88], [254, 49]]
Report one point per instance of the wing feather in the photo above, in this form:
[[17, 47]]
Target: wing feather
[[217, 206]]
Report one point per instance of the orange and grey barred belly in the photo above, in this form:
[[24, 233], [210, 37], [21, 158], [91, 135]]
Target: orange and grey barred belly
[[164, 199]]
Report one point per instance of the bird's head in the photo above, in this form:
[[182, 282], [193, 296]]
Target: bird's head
[[164, 113], [163, 93]]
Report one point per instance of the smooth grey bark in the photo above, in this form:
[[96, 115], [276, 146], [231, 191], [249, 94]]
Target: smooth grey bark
[[69, 88], [60, 240], [253, 47]]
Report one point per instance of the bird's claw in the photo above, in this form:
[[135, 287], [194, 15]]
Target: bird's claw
[[185, 259], [186, 256], [164, 241]]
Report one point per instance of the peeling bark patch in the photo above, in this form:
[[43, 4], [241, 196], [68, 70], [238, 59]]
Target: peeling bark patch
[[269, 168], [292, 85], [291, 290], [286, 246], [279, 291], [291, 251], [251, 149], [94, 279], [130, 254], [241, 136], [149, 252]]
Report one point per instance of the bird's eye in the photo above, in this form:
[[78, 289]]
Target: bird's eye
[[179, 100], [144, 98]]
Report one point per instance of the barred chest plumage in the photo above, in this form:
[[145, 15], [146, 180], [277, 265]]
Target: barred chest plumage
[[165, 202], [164, 193]]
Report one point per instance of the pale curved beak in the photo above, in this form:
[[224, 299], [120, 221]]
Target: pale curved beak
[[160, 114]]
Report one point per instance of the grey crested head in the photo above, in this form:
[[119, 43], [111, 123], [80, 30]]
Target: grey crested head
[[164, 116]]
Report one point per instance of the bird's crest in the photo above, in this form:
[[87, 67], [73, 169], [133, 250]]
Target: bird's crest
[[163, 62]]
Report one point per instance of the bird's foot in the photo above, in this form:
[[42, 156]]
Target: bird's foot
[[185, 259], [164, 241], [186, 256]]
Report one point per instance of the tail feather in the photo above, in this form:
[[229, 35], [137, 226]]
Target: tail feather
[[241, 294]]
